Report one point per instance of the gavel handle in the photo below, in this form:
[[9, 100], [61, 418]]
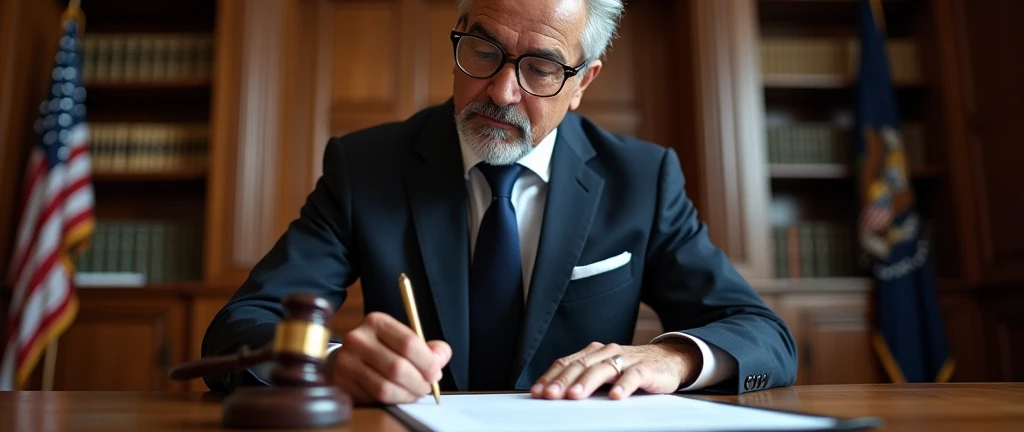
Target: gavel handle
[[211, 365]]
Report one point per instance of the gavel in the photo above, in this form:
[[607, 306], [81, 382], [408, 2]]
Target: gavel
[[299, 396]]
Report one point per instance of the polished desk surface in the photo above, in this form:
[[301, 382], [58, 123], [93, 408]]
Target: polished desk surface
[[914, 407]]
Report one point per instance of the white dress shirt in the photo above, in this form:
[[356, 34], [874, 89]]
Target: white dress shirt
[[529, 195]]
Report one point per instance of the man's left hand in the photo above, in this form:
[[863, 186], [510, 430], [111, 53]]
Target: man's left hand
[[656, 368]]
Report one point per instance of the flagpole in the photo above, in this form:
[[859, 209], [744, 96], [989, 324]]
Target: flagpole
[[49, 364]]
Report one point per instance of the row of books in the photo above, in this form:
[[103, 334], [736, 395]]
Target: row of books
[[146, 251], [115, 57], [828, 143], [816, 249], [148, 147], [834, 57]]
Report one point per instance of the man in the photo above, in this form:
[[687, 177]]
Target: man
[[530, 236]]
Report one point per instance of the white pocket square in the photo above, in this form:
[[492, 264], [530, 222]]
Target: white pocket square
[[601, 266]]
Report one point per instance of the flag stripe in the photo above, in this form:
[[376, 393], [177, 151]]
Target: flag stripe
[[77, 168], [60, 319], [32, 284], [47, 234], [30, 215], [75, 223], [46, 305], [37, 168], [79, 203]]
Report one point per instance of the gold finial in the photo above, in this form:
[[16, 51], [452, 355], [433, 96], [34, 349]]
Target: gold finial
[[74, 12], [876, 10]]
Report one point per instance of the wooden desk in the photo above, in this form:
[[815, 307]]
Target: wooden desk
[[932, 408]]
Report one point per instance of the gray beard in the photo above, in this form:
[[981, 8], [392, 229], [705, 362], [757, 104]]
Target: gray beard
[[493, 145]]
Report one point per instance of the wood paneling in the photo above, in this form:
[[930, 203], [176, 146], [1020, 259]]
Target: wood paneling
[[994, 102], [224, 132], [832, 333], [260, 112], [441, 17], [949, 51], [117, 344], [730, 125], [29, 31], [964, 328], [1004, 332], [273, 121], [202, 309], [366, 55], [610, 100]]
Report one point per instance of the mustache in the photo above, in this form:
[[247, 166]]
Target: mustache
[[507, 114]]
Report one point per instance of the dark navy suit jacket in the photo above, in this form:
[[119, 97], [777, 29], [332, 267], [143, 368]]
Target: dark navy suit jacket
[[393, 199]]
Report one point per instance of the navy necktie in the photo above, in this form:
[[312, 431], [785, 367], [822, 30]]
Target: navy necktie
[[495, 286]]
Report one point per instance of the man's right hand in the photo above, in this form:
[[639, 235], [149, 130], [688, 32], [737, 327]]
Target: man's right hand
[[384, 361]]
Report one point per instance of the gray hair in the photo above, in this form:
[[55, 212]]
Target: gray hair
[[602, 20]]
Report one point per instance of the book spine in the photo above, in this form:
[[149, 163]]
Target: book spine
[[142, 248], [807, 261], [793, 243]]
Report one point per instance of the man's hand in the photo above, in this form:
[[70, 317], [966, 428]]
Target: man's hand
[[383, 361], [657, 368]]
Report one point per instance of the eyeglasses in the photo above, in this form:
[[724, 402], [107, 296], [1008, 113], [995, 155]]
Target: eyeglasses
[[482, 59]]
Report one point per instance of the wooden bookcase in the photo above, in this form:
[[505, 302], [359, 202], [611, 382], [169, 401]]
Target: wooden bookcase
[[809, 60], [147, 68]]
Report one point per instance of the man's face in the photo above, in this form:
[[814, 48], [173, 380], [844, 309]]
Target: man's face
[[500, 121]]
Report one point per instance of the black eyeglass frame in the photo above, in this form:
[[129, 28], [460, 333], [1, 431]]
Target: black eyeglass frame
[[506, 58]]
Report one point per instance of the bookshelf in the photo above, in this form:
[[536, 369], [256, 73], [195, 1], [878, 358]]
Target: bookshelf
[[809, 52], [147, 68]]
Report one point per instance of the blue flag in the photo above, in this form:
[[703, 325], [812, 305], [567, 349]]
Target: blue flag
[[909, 334]]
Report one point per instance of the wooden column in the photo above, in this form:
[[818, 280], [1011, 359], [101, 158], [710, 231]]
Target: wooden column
[[269, 122], [730, 125]]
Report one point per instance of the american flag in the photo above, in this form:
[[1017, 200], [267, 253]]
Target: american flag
[[56, 220]]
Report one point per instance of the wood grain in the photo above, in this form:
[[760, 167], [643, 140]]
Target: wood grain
[[908, 407], [260, 117], [223, 140], [994, 104], [911, 407], [28, 36], [731, 123], [151, 327]]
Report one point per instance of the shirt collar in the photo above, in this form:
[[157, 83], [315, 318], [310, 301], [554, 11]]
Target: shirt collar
[[537, 160]]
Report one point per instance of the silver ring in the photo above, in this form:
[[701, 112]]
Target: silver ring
[[616, 362]]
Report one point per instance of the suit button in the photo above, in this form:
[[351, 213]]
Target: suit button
[[749, 383]]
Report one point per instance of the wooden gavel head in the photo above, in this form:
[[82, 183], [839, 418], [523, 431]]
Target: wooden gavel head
[[299, 396]]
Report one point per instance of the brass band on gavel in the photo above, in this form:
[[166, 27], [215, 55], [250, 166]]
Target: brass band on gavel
[[301, 337]]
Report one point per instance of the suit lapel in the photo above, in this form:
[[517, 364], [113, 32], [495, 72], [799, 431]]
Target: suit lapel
[[437, 194], [573, 194]]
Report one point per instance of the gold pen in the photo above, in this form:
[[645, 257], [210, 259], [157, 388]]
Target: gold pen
[[414, 319]]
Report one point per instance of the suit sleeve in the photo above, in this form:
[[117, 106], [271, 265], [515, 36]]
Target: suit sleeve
[[313, 255], [695, 290]]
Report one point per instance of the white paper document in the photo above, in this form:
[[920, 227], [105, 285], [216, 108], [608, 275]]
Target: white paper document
[[520, 412]]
